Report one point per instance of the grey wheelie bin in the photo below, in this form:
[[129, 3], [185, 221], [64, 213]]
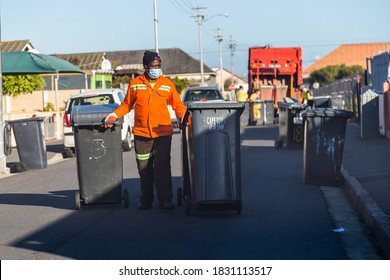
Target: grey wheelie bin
[[323, 145], [261, 112], [244, 120], [30, 142], [211, 157], [290, 125], [99, 156], [268, 112]]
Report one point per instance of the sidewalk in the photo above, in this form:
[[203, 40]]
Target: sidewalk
[[366, 168]]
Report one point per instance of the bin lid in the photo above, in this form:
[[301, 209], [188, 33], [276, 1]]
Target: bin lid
[[289, 105], [36, 119], [196, 105], [261, 101], [327, 112], [92, 114]]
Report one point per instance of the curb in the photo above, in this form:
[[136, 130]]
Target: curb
[[55, 158], [376, 220]]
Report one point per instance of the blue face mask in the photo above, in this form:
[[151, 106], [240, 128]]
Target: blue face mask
[[154, 73]]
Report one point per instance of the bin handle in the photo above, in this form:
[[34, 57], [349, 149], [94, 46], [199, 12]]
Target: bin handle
[[103, 123], [7, 140], [185, 119], [114, 123]]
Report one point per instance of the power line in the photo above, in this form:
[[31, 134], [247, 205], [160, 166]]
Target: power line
[[187, 3], [178, 6]]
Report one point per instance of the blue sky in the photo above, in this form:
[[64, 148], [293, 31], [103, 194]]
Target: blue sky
[[73, 26]]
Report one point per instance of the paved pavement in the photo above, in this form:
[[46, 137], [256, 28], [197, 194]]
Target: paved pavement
[[366, 168]]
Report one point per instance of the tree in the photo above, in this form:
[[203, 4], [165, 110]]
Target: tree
[[118, 80], [22, 84], [227, 83], [332, 73], [181, 84]]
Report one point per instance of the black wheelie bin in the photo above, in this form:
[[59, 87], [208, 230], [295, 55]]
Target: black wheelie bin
[[99, 156], [244, 120], [211, 157], [290, 125], [30, 142], [323, 145]]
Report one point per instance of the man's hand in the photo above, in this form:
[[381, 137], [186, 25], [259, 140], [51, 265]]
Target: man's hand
[[108, 121]]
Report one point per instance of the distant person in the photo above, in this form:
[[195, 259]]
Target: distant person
[[256, 106], [307, 98], [149, 95], [242, 95], [256, 84]]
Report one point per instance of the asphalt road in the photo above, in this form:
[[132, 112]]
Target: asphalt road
[[281, 219]]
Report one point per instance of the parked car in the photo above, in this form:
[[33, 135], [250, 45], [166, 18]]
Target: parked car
[[202, 93], [96, 97]]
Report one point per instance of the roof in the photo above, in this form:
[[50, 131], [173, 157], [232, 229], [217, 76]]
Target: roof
[[348, 54], [86, 61], [16, 46], [174, 60], [227, 72]]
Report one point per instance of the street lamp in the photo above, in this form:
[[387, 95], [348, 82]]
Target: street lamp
[[3, 160], [200, 19], [155, 24]]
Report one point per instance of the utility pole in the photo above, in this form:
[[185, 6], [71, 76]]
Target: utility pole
[[3, 159], [232, 46], [155, 25], [199, 19], [219, 38]]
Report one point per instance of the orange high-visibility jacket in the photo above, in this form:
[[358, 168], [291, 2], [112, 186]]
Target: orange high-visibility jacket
[[151, 115]]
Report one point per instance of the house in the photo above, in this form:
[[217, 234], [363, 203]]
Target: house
[[100, 67], [348, 54], [227, 77], [18, 46], [175, 63], [68, 84]]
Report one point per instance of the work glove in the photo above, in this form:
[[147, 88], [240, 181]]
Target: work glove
[[108, 121]]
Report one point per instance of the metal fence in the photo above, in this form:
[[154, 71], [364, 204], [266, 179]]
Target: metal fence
[[49, 128], [343, 94]]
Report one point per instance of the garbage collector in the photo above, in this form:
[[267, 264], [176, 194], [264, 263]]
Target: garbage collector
[[256, 106], [242, 96], [149, 95], [307, 98]]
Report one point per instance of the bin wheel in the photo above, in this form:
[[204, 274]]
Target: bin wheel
[[179, 196], [68, 153], [187, 204], [278, 144], [77, 200], [126, 145], [339, 180], [126, 198]]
